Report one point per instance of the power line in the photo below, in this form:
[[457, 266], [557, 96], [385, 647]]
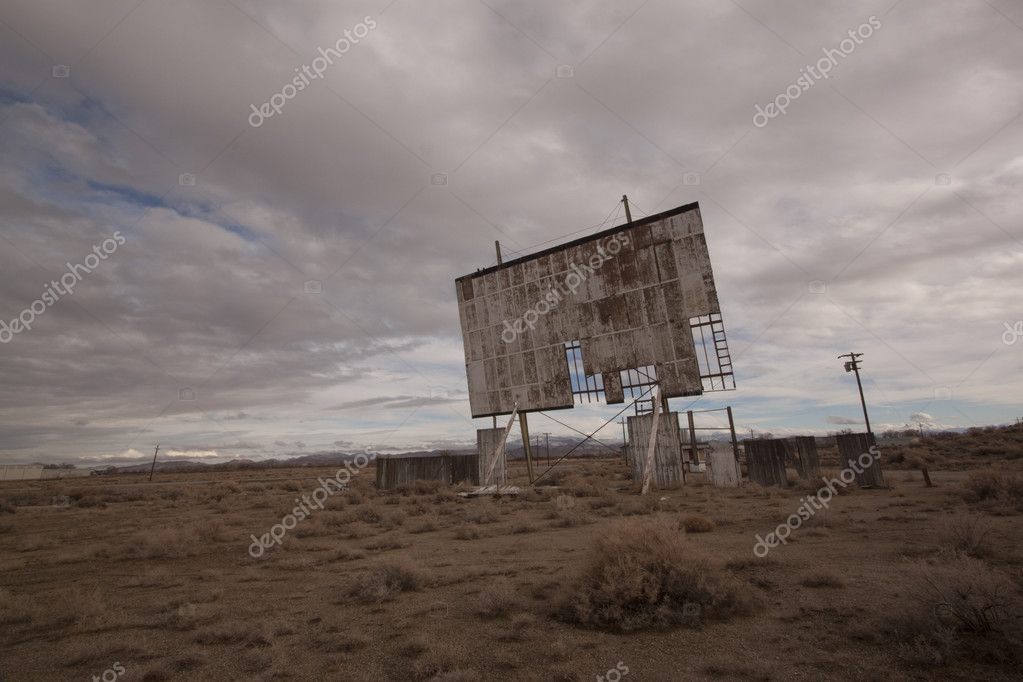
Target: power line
[[614, 211], [576, 446]]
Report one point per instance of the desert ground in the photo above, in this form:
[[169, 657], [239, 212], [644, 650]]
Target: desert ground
[[114, 577]]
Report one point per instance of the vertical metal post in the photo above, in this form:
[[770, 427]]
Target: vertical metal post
[[497, 247], [547, 436], [628, 213], [526, 446]]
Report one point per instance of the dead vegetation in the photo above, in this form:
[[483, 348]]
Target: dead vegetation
[[385, 581], [962, 610], [697, 523], [643, 575], [994, 487], [535, 587]]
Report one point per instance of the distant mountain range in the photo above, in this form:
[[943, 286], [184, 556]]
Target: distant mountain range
[[559, 446], [555, 447]]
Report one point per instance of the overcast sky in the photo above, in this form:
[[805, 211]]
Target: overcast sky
[[289, 287]]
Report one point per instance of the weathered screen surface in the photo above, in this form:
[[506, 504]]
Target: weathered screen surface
[[628, 306]]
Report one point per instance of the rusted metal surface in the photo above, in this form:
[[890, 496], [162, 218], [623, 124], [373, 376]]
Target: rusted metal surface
[[626, 295], [853, 452], [765, 461], [667, 470], [395, 471]]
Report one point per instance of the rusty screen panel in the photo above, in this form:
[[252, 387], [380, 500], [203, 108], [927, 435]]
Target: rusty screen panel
[[583, 319]]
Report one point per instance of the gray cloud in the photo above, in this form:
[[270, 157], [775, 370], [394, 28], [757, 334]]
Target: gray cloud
[[202, 327]]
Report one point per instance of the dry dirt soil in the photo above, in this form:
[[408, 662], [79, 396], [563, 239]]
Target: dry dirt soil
[[116, 578]]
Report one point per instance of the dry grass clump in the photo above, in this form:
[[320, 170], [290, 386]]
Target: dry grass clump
[[367, 515], [697, 523], [968, 534], [960, 611], [467, 533], [160, 543], [497, 599], [440, 663], [427, 524], [480, 516], [392, 521], [995, 486], [312, 527], [86, 501], [642, 574], [7, 508], [583, 489], [234, 633], [384, 544], [209, 530], [638, 506], [570, 518], [385, 581], [416, 509]]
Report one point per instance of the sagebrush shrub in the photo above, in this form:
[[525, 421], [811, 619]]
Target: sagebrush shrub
[[643, 574]]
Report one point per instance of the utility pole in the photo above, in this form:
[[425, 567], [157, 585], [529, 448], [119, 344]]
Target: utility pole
[[853, 365], [153, 468], [497, 247], [628, 213]]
